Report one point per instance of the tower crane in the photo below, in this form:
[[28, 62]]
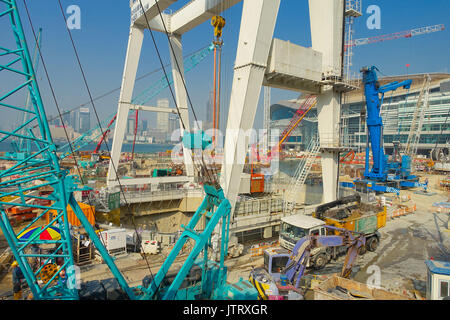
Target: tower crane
[[350, 43], [396, 35]]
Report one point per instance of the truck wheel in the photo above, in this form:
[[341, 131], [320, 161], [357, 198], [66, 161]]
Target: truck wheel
[[320, 261], [362, 250], [372, 244]]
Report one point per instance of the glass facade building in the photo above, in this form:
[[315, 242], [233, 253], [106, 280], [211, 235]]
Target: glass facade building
[[397, 112]]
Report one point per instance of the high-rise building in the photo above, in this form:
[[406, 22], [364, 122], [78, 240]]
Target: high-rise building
[[162, 118], [174, 123], [131, 122], [66, 118], [74, 119], [144, 125], [84, 120]]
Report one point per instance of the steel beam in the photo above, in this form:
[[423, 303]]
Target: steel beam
[[255, 38], [196, 12], [176, 58], [153, 109], [135, 40], [151, 12]]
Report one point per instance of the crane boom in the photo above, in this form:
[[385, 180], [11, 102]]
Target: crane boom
[[395, 35]]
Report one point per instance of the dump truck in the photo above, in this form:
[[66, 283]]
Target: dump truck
[[346, 213]]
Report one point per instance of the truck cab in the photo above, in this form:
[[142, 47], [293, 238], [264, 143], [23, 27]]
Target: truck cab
[[297, 226]]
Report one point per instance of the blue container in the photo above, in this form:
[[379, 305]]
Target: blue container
[[283, 280]]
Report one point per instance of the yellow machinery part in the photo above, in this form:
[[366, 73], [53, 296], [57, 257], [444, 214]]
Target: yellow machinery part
[[47, 272], [218, 23], [261, 287]]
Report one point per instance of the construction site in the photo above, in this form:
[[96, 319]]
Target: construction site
[[343, 192]]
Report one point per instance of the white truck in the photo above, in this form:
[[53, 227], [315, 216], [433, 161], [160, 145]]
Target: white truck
[[297, 226]]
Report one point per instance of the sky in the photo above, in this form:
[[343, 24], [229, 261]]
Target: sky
[[102, 42]]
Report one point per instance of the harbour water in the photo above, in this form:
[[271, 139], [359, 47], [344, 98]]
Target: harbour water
[[313, 189]]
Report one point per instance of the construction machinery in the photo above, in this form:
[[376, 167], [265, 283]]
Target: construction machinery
[[56, 277], [283, 270], [385, 175], [347, 213]]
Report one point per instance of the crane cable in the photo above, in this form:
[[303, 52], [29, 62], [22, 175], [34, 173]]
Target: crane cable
[[103, 95], [129, 214], [203, 167], [53, 95]]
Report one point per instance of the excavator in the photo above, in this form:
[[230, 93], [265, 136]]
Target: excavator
[[283, 270]]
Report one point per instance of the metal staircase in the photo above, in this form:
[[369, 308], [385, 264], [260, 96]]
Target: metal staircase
[[301, 173], [419, 115]]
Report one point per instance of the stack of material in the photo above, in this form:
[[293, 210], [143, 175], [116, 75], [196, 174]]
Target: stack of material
[[337, 288]]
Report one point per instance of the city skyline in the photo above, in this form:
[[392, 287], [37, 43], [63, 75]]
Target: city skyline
[[102, 51]]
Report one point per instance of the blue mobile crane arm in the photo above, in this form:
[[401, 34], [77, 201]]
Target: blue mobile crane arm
[[296, 265], [374, 99]]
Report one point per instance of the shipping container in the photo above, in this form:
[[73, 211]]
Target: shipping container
[[89, 212]]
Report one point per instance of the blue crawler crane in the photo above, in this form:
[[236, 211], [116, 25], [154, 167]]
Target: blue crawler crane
[[385, 175]]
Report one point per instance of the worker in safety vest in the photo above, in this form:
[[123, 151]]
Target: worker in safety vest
[[17, 277]]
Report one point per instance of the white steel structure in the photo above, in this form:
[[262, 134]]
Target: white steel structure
[[260, 61], [352, 11]]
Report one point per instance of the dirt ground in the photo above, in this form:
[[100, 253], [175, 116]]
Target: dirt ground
[[406, 242]]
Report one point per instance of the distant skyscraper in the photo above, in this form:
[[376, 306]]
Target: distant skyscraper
[[162, 118], [74, 120], [66, 118], [84, 120], [130, 124], [144, 125], [174, 123]]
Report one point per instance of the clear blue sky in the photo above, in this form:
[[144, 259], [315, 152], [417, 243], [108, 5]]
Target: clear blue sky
[[102, 43]]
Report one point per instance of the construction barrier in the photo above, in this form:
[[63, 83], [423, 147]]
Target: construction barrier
[[443, 184], [441, 207], [258, 249], [401, 210]]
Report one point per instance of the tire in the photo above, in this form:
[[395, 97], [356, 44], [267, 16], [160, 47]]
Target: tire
[[320, 261], [372, 244], [362, 250]]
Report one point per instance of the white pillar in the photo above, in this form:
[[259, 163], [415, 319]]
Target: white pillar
[[328, 114], [327, 22], [129, 77], [176, 58], [255, 38]]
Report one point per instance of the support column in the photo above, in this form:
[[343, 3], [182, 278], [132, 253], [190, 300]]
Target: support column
[[129, 77], [176, 58], [328, 114], [327, 27], [255, 38]]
